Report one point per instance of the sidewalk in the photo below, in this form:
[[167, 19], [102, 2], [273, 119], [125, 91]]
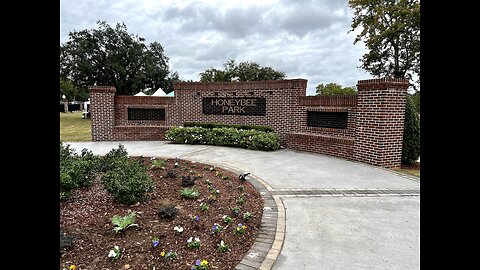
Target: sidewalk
[[339, 214]]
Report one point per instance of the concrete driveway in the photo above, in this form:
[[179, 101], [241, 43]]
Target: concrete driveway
[[339, 214]]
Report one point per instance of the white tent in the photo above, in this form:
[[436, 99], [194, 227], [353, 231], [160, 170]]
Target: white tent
[[140, 94], [159, 93]]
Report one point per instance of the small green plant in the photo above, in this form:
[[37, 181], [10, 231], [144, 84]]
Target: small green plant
[[240, 200], [115, 253], [178, 229], [211, 198], [189, 193], [240, 229], [206, 168], [241, 187], [158, 164], [247, 215], [155, 242], [216, 228], [193, 243], [187, 181], [200, 265], [236, 210], [225, 177], [222, 247], [168, 211], [218, 174], [123, 223], [227, 219], [195, 218], [171, 255], [203, 206]]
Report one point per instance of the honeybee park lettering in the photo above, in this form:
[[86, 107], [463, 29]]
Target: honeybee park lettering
[[235, 106]]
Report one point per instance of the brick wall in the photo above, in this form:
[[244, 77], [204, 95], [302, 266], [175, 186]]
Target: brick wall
[[373, 133], [379, 121], [281, 98], [330, 141]]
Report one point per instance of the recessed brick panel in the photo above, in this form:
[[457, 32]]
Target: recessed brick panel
[[146, 114], [327, 119]]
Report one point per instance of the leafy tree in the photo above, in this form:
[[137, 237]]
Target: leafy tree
[[244, 71], [411, 134], [70, 91], [391, 32], [416, 101], [112, 56], [335, 89]]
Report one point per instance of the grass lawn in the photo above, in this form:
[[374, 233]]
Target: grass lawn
[[73, 128]]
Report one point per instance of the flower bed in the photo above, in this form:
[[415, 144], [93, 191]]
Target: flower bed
[[164, 222]]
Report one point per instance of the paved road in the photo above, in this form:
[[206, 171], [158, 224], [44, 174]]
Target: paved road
[[339, 214]]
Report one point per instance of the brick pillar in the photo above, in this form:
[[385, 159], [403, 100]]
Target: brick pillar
[[380, 118], [102, 112]]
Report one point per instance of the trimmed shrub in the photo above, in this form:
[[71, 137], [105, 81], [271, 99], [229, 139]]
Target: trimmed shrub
[[75, 171], [411, 134], [109, 161], [128, 182], [220, 125], [250, 139]]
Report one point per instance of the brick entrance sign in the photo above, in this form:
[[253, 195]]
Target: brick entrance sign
[[366, 127]]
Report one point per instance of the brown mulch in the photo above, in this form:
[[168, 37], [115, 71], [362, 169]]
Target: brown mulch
[[87, 214]]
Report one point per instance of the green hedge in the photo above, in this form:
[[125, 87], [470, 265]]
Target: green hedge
[[250, 139], [75, 171], [220, 125]]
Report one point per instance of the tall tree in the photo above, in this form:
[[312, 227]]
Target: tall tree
[[244, 71], [391, 32], [70, 91], [335, 89], [112, 56]]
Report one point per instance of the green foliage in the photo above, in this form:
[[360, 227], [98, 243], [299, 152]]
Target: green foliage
[[411, 134], [244, 71], [168, 211], [223, 247], [75, 171], [391, 33], [250, 139], [220, 125], [335, 89], [203, 206], [111, 159], [71, 92], [123, 223], [416, 100], [128, 182], [247, 215], [111, 56], [189, 193], [158, 164]]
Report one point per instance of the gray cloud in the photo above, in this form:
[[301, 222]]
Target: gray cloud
[[305, 39]]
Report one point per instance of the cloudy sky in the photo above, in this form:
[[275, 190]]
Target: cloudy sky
[[306, 39]]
